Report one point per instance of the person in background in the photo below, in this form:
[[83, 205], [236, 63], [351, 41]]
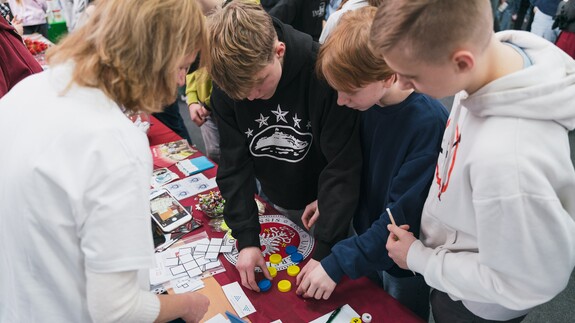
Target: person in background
[[33, 15], [504, 13], [82, 200], [565, 21], [82, 11], [304, 15], [543, 13], [346, 5], [268, 4], [401, 133], [498, 226], [280, 124], [332, 6], [522, 15], [16, 62], [6, 12], [198, 91]]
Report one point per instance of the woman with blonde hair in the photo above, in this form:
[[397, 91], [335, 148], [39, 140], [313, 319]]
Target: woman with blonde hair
[[75, 214]]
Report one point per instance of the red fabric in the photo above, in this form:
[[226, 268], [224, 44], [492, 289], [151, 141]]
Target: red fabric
[[566, 41], [16, 62], [362, 295], [160, 133]]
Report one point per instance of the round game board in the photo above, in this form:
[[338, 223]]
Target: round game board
[[277, 233]]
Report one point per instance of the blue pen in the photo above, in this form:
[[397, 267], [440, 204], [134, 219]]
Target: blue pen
[[234, 318]]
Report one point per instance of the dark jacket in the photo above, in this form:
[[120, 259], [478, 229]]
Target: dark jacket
[[400, 146], [300, 145], [548, 7], [304, 15], [565, 18], [16, 62]]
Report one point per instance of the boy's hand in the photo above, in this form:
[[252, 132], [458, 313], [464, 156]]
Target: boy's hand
[[198, 113], [310, 215], [314, 282], [398, 244], [248, 259]]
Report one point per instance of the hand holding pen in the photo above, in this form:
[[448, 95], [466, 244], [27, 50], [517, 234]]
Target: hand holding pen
[[398, 242]]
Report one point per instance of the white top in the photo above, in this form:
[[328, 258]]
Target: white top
[[334, 17], [74, 197], [501, 235]]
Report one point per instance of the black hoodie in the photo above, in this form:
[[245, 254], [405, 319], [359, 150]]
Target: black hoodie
[[299, 143], [304, 15]]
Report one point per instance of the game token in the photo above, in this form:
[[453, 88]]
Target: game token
[[293, 270], [366, 317], [277, 232], [264, 285], [291, 249], [284, 286], [273, 271], [276, 258], [355, 320], [296, 257]]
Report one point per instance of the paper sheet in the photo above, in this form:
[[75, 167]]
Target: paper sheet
[[344, 316]]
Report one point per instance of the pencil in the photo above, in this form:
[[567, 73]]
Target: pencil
[[391, 217]]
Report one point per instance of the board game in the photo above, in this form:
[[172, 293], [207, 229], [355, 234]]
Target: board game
[[276, 234]]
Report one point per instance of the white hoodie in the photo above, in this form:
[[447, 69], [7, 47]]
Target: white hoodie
[[500, 234]]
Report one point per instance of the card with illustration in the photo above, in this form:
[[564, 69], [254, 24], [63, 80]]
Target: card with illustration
[[167, 154]]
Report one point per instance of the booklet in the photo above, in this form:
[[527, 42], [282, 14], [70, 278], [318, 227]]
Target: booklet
[[194, 165], [169, 153]]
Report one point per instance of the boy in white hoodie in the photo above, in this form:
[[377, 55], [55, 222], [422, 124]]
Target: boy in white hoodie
[[498, 230]]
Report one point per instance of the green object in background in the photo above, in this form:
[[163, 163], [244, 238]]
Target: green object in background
[[56, 30]]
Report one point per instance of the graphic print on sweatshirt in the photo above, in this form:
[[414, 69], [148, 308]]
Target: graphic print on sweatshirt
[[448, 154], [286, 138]]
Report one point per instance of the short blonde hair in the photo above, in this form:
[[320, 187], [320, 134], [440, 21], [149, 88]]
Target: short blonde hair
[[431, 30], [131, 49], [242, 40], [346, 59]]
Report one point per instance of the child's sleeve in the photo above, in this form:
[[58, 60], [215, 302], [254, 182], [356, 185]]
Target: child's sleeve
[[199, 88], [235, 176], [360, 255], [337, 130]]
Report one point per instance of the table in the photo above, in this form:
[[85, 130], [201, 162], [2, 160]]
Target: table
[[363, 295]]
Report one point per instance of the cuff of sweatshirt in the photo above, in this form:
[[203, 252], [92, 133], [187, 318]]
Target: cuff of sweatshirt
[[150, 308], [332, 268], [321, 250], [417, 256], [192, 99], [247, 238]]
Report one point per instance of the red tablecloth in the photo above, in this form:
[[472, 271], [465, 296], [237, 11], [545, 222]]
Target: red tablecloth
[[362, 294]]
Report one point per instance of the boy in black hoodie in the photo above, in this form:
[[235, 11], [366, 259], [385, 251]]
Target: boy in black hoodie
[[280, 124]]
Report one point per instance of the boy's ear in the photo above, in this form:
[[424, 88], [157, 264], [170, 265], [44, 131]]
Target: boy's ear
[[388, 82], [280, 49], [463, 60]]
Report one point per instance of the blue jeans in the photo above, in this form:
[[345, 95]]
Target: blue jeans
[[541, 26], [411, 292]]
